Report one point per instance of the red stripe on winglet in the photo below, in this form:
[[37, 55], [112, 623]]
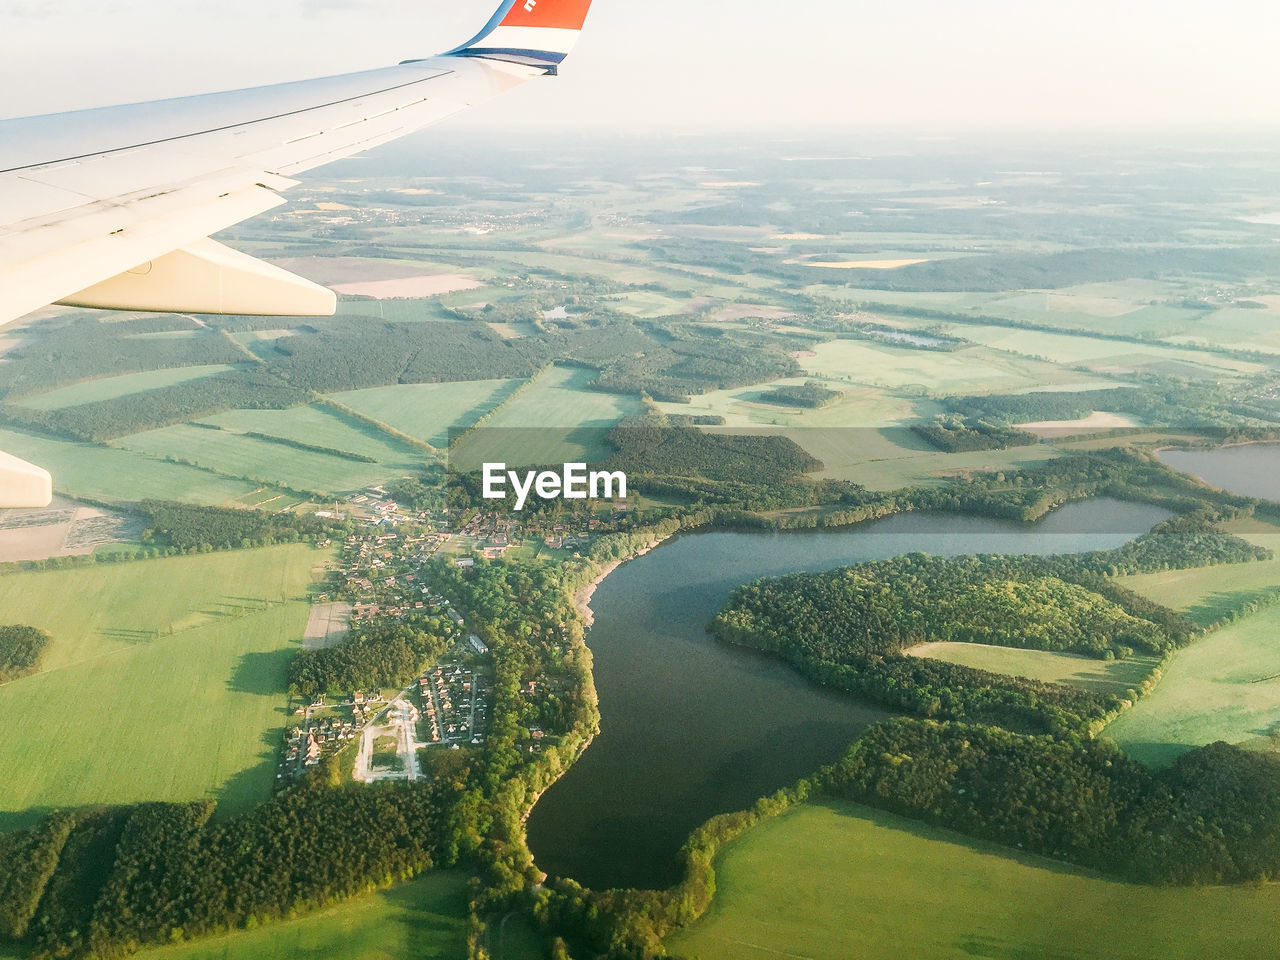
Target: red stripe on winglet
[[557, 14]]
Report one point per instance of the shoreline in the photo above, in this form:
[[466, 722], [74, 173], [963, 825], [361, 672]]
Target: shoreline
[[582, 596]]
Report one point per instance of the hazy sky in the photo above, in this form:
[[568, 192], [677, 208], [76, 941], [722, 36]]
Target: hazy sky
[[931, 66]]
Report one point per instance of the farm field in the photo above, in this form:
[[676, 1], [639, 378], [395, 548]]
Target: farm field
[[164, 680], [859, 407], [424, 919], [929, 373], [1225, 686], [555, 418], [262, 461], [1247, 329], [108, 388], [110, 473], [1112, 356], [888, 459], [429, 411], [832, 880], [320, 426], [1051, 666]]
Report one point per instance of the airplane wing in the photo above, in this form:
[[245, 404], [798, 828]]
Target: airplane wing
[[113, 207]]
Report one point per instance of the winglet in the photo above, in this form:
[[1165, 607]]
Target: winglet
[[535, 32]]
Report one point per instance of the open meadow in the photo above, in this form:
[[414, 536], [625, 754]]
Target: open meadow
[[1225, 686], [1050, 666], [164, 680], [109, 473], [930, 372], [108, 388], [323, 427], [265, 462], [833, 880], [429, 411], [424, 919], [555, 418]]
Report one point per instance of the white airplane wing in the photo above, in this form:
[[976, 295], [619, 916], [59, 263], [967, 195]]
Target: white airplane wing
[[113, 207]]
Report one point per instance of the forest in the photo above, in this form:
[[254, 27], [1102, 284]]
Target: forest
[[650, 447], [811, 395], [884, 607], [957, 434], [375, 654], [848, 628], [1213, 816], [103, 882], [186, 526]]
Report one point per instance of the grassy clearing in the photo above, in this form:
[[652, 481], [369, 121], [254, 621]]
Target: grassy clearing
[[321, 426], [1206, 594], [108, 388], [1105, 355], [554, 419], [834, 880], [859, 406], [1234, 327], [402, 311], [926, 372], [164, 680], [262, 461], [430, 411], [424, 919], [892, 459], [1051, 666], [1220, 688], [109, 473]]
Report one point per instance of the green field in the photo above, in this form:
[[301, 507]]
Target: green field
[[857, 407], [930, 372], [835, 880], [554, 419], [1111, 356], [324, 427], [1207, 593], [108, 388], [1051, 666], [164, 680], [1213, 689], [429, 411], [1219, 688], [108, 473], [425, 919], [264, 462]]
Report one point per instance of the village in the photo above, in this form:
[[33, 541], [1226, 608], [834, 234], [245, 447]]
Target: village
[[445, 708], [383, 571]]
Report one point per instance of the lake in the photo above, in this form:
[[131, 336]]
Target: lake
[[691, 728], [1252, 469]]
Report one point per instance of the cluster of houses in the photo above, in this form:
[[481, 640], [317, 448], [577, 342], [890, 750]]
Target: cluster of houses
[[307, 744], [454, 705]]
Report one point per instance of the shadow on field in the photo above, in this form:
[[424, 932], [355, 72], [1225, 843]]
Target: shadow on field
[[252, 785], [1224, 603], [21, 819], [261, 673], [129, 636]]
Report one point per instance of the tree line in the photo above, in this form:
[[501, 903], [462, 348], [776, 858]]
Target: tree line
[[105, 882], [382, 652], [187, 526]]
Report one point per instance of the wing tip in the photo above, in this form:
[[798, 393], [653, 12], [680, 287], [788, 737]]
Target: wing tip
[[533, 32]]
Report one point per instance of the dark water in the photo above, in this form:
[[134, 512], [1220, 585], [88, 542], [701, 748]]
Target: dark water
[[691, 728], [1252, 470]]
